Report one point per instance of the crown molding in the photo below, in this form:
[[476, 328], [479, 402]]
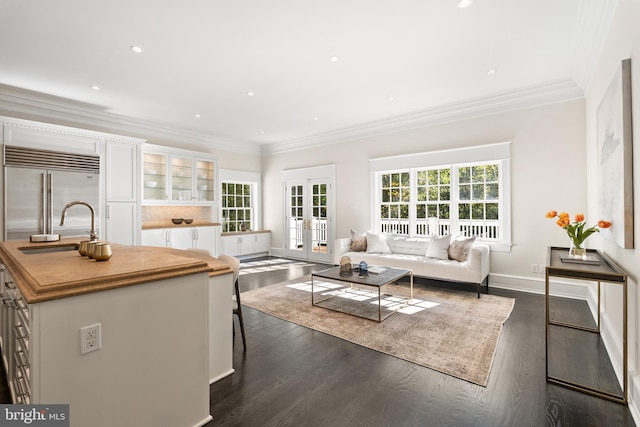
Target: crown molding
[[24, 104], [548, 93]]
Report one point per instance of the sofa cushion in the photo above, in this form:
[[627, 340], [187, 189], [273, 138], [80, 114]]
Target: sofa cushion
[[377, 243], [408, 245], [439, 247], [358, 241], [459, 248]]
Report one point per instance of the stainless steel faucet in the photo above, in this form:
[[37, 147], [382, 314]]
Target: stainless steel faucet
[[92, 234]]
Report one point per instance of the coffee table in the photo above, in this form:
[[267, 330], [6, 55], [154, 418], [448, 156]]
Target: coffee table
[[349, 294]]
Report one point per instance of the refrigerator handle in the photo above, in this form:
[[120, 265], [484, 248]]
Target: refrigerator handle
[[46, 201]]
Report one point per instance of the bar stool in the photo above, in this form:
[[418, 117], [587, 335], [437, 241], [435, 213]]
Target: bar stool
[[234, 264]]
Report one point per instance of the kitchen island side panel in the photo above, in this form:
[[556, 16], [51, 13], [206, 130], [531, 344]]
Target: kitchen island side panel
[[153, 365]]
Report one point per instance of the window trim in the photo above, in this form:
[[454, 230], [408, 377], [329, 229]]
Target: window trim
[[491, 153]]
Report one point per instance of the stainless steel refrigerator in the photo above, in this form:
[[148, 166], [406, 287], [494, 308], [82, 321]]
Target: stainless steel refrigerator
[[39, 183]]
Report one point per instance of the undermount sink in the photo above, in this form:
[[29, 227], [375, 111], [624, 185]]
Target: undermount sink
[[49, 249]]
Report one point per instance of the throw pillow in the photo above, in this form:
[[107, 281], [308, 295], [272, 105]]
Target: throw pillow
[[358, 242], [377, 243], [438, 247], [459, 248]]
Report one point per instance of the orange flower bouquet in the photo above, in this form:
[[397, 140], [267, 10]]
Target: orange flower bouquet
[[577, 231]]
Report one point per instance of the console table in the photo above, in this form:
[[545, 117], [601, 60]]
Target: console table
[[599, 268]]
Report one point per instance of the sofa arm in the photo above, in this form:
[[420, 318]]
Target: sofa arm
[[478, 258], [341, 246]]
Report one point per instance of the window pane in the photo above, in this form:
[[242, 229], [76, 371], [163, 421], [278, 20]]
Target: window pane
[[238, 201], [384, 211], [386, 181], [492, 192], [432, 211], [478, 191], [405, 179], [445, 176], [316, 212], [477, 174], [492, 211], [444, 193], [395, 195], [421, 211], [240, 215], [247, 215], [464, 175], [433, 193], [422, 194], [405, 195], [404, 211], [386, 197], [464, 192], [444, 211], [232, 215], [422, 177], [477, 211], [231, 202], [247, 202], [393, 211], [395, 180], [433, 177], [492, 173], [464, 211], [299, 212]]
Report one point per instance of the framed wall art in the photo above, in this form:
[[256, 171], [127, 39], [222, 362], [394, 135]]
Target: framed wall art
[[615, 161]]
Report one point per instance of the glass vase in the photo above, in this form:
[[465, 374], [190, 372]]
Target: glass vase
[[577, 251]]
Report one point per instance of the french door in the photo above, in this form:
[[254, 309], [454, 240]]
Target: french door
[[309, 219]]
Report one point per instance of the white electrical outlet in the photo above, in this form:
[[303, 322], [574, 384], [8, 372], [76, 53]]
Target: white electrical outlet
[[90, 339], [534, 268], [542, 268]]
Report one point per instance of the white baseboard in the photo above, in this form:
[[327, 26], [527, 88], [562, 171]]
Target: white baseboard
[[634, 394], [575, 289]]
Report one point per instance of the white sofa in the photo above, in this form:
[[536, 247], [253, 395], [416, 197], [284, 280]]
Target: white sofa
[[410, 253]]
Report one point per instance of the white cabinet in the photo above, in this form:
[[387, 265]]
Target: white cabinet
[[122, 192], [177, 176], [121, 172], [156, 237], [122, 223], [206, 237], [246, 243]]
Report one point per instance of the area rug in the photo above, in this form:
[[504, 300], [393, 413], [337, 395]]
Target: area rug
[[449, 331]]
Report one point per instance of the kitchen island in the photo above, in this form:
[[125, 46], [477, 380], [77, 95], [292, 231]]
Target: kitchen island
[[150, 364]]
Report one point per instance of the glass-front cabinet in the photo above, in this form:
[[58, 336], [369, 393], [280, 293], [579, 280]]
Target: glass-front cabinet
[[179, 177], [155, 180], [182, 179], [205, 182]]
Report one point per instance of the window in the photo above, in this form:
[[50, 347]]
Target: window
[[237, 207], [461, 198]]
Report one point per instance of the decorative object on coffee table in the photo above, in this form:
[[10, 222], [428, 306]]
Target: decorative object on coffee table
[[345, 266]]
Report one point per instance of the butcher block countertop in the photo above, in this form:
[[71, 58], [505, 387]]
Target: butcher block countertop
[[54, 275]]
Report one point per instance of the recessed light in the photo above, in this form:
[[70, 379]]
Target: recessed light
[[315, 118], [491, 71], [334, 59], [261, 132], [390, 98], [136, 49], [464, 3], [196, 115], [250, 93], [94, 87]]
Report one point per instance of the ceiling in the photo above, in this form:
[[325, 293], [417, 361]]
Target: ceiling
[[399, 63]]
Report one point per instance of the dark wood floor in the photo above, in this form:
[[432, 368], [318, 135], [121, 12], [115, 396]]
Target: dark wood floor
[[291, 375]]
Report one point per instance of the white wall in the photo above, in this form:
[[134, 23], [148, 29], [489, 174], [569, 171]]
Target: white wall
[[622, 42], [548, 171]]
